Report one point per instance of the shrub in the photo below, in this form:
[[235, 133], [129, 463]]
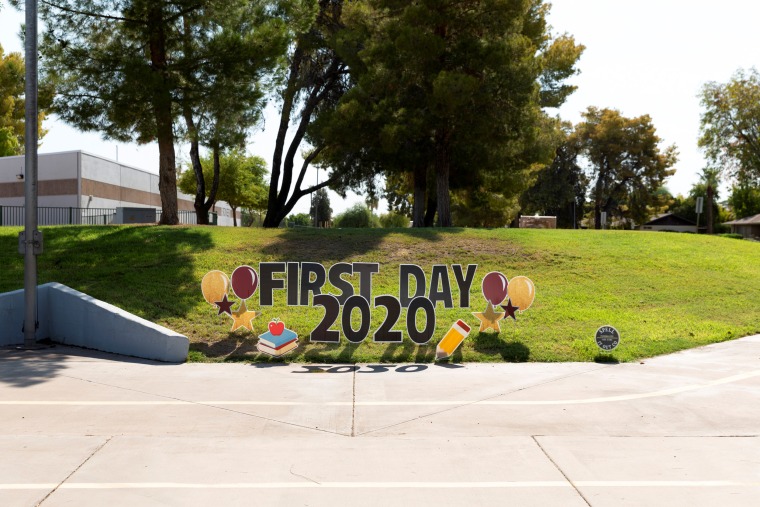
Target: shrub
[[393, 220], [731, 235], [357, 216], [302, 219]]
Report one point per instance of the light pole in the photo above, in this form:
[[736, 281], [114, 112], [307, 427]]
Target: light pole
[[30, 239]]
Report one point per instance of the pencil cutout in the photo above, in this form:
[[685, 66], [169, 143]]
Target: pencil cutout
[[452, 340]]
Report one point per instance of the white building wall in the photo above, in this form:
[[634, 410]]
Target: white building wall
[[97, 169], [75, 166]]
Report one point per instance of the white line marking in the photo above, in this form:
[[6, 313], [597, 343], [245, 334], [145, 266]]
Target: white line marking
[[381, 485], [605, 399]]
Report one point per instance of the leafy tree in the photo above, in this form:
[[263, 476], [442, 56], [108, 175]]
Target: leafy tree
[[560, 187], [127, 69], [730, 124], [686, 207], [315, 79], [241, 180], [745, 199], [624, 161], [320, 210], [12, 104], [302, 219], [451, 90], [393, 220], [357, 216], [480, 208], [221, 92]]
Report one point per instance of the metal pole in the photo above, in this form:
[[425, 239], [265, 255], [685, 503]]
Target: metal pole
[[30, 180]]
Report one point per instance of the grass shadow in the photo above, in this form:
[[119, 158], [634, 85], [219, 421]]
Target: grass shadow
[[404, 352], [606, 359], [491, 344], [335, 245], [145, 270]]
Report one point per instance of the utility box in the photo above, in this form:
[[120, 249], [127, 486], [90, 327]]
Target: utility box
[[135, 216]]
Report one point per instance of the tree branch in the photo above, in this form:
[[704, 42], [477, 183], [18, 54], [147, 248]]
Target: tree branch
[[92, 14], [308, 160]]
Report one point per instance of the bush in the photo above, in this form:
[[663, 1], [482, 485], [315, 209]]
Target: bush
[[357, 216], [394, 220], [302, 219], [731, 235]]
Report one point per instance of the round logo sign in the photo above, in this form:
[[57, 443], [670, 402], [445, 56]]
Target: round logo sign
[[607, 338]]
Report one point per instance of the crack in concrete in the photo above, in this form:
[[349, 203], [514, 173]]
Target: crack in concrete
[[303, 476], [190, 402], [560, 470], [93, 453], [353, 407], [474, 402]]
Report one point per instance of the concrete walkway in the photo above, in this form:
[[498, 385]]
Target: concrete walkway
[[87, 429]]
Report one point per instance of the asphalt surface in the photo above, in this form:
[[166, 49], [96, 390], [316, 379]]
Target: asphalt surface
[[79, 428]]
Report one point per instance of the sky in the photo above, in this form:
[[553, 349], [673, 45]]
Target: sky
[[642, 57]]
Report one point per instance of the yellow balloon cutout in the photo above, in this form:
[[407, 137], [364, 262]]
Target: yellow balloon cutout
[[522, 292], [215, 285]]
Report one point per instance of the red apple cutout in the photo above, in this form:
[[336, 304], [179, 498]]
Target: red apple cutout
[[276, 328]]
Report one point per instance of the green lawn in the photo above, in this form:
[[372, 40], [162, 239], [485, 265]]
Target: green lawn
[[664, 292]]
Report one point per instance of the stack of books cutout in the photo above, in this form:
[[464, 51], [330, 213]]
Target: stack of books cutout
[[278, 340]]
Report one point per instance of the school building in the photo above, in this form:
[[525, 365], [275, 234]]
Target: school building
[[77, 180]]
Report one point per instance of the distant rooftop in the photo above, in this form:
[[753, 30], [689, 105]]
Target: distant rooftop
[[753, 220]]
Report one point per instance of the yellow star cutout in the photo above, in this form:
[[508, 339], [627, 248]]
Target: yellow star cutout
[[489, 319], [242, 318]]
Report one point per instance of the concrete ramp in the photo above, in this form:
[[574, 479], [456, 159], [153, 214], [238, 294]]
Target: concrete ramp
[[70, 317]]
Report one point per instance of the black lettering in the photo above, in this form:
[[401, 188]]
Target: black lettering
[[440, 287], [464, 283], [404, 271], [267, 283], [309, 285], [334, 275]]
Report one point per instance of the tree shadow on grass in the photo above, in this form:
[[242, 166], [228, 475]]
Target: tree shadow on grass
[[606, 359], [492, 344], [320, 245], [148, 270]]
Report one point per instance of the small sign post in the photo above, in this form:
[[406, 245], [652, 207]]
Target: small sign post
[[607, 338], [604, 219], [699, 210]]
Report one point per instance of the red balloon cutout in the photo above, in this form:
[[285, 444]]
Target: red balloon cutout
[[244, 281], [494, 287]]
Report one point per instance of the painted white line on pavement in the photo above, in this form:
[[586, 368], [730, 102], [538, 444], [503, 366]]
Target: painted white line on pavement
[[605, 399], [380, 485]]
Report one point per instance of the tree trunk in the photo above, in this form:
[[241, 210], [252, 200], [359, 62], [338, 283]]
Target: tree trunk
[[442, 170], [274, 210], [313, 91], [234, 215], [710, 195], [431, 207], [201, 209], [162, 112], [598, 203], [418, 204]]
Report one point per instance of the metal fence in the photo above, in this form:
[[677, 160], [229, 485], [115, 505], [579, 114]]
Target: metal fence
[[48, 215], [14, 216], [185, 217]]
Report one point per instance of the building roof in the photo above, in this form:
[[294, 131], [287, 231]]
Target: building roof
[[670, 219], [753, 220]]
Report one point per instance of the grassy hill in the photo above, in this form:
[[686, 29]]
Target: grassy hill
[[663, 292]]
